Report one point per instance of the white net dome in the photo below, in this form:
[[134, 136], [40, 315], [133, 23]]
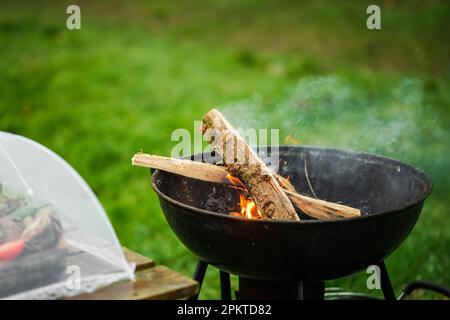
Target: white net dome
[[55, 237]]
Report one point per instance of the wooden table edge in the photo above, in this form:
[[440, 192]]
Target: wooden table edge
[[172, 285]]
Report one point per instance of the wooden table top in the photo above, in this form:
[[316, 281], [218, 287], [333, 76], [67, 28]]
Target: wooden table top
[[151, 283]]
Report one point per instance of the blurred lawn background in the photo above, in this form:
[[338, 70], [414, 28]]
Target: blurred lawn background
[[137, 70]]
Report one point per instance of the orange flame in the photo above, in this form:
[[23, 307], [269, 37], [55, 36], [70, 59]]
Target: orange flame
[[234, 180], [247, 205]]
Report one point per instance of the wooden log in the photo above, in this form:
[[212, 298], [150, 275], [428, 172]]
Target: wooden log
[[319, 209], [285, 183], [187, 168], [244, 163], [316, 208]]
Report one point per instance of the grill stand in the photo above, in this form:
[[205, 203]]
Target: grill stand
[[225, 286], [199, 275], [385, 281], [254, 289]]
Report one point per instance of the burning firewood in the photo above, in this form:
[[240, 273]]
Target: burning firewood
[[285, 183], [319, 209], [242, 162]]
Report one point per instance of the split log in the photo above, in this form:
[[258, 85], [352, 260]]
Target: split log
[[285, 183], [316, 208], [187, 168], [244, 163], [319, 209]]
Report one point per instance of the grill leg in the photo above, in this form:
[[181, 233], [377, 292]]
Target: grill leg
[[225, 287], [199, 275], [386, 285]]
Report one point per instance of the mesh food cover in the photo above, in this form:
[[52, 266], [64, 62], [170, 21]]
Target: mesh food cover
[[55, 238]]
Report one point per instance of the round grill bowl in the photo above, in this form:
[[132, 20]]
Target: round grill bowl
[[390, 193]]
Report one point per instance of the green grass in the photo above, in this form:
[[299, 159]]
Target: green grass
[[136, 72]]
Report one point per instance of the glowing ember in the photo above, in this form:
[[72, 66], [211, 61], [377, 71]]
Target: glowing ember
[[247, 205]]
